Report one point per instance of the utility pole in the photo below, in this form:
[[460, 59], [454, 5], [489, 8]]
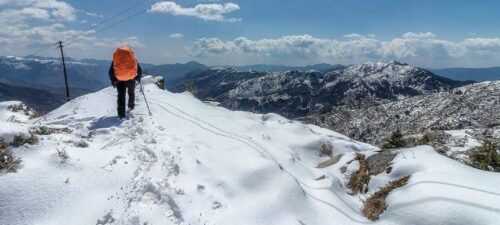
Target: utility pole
[[64, 69]]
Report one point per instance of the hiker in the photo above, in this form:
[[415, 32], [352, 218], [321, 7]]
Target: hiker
[[123, 73]]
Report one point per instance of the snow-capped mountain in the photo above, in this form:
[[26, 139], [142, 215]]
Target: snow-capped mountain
[[32, 73], [195, 163], [297, 94], [46, 73], [41, 100]]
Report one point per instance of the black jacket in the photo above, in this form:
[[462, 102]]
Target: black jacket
[[112, 76]]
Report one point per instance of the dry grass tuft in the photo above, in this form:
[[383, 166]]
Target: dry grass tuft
[[44, 130], [8, 162], [375, 205], [358, 182]]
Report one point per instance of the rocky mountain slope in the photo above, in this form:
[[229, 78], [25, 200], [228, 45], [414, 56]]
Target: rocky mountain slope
[[46, 73], [296, 94], [322, 67], [174, 72], [463, 117], [195, 163], [41, 100], [467, 107]]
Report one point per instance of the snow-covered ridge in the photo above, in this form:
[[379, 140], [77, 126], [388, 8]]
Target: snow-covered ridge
[[195, 163]]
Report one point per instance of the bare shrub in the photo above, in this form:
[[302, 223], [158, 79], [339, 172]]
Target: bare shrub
[[44, 130], [8, 162], [81, 144], [375, 205], [396, 140], [63, 155], [20, 140], [486, 157], [326, 149], [24, 109], [358, 182]]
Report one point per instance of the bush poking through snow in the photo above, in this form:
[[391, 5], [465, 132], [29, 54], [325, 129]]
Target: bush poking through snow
[[24, 109], [394, 141], [3, 145], [81, 144], [8, 162], [486, 157], [20, 140], [358, 182], [63, 155], [375, 205], [326, 149], [44, 130]]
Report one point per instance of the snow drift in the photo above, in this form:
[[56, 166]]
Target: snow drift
[[196, 163]]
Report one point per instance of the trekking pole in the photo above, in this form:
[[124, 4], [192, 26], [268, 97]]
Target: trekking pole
[[145, 99]]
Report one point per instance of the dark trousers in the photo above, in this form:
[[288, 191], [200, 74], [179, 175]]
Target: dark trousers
[[122, 87]]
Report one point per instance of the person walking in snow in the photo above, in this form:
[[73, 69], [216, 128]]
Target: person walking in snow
[[124, 71]]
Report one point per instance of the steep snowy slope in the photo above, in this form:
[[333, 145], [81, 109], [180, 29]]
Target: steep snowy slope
[[194, 163]]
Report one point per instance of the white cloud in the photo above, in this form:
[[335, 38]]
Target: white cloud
[[91, 14], [208, 12], [30, 25], [425, 35], [419, 48], [176, 35], [21, 10]]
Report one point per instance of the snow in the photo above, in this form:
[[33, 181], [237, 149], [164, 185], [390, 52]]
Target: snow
[[9, 130], [12, 124], [6, 114], [196, 163], [447, 192]]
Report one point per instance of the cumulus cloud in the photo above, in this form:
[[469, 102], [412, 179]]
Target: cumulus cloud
[[208, 12], [176, 35], [38, 9], [418, 48], [30, 25]]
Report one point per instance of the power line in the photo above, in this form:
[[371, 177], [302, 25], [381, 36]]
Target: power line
[[44, 48], [70, 42], [112, 17], [102, 22]]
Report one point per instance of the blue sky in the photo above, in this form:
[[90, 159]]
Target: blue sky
[[295, 32]]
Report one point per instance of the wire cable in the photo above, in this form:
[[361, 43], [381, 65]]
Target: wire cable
[[73, 38]]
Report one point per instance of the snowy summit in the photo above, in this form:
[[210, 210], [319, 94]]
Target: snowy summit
[[195, 163]]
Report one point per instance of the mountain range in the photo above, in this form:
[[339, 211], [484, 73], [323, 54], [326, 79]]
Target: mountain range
[[369, 102], [41, 100], [84, 76], [297, 94]]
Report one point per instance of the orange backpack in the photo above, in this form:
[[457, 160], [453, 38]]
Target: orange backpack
[[124, 64]]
